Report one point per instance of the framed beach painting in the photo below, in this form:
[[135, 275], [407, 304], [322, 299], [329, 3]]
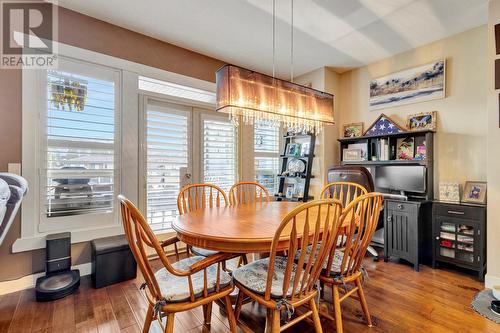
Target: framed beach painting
[[418, 84]]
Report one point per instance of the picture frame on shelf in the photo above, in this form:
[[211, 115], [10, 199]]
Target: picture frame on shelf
[[352, 155], [449, 192], [423, 121], [363, 146], [406, 148], [474, 192], [352, 130], [305, 148], [290, 191], [293, 149]]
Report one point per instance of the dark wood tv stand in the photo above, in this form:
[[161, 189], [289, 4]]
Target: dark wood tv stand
[[408, 224]]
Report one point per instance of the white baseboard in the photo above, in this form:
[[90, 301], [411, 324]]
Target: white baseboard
[[26, 282], [490, 281]]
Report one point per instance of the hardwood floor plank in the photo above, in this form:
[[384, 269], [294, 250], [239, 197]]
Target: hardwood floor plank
[[25, 313], [63, 318], [8, 305], [103, 312], [121, 308]]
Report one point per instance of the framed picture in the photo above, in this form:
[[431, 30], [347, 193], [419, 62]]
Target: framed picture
[[290, 191], [351, 154], [304, 149], [449, 192], [293, 149], [422, 121], [363, 147], [406, 148], [352, 130], [418, 84], [474, 192]]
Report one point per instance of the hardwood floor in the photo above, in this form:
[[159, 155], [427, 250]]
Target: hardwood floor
[[400, 300]]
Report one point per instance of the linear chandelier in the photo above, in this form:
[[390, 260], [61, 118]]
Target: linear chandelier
[[251, 96]]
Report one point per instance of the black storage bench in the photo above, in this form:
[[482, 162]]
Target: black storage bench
[[112, 261]]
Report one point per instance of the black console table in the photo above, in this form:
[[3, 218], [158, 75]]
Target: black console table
[[459, 236], [407, 231]]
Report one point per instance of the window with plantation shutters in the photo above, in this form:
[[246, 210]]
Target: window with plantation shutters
[[219, 152], [266, 154], [167, 140], [79, 131]]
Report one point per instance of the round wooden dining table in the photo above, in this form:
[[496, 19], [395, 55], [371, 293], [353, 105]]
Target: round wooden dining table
[[246, 228]]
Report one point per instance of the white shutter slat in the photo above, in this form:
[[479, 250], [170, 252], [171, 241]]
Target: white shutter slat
[[219, 153], [167, 152]]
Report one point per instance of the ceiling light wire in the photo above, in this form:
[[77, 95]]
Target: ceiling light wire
[[274, 35], [291, 44]]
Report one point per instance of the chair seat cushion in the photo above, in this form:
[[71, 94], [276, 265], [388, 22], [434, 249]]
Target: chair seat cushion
[[337, 259], [203, 252], [176, 288], [254, 276]]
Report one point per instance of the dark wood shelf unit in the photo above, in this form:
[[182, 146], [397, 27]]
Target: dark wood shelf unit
[[371, 141], [454, 246], [304, 177]]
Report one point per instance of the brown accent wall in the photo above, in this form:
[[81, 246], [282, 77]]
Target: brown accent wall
[[89, 33]]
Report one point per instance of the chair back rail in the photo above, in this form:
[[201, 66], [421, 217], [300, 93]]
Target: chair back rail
[[199, 196], [140, 236], [362, 215], [315, 223], [248, 192], [346, 192]]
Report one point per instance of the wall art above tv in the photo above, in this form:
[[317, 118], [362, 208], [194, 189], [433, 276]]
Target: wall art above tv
[[418, 84]]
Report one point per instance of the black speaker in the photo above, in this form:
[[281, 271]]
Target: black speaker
[[59, 280], [58, 252]]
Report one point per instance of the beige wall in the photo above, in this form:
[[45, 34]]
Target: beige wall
[[460, 147], [88, 33], [493, 275], [326, 150]]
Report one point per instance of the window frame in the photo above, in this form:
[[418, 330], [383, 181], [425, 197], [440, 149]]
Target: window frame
[[96, 219]]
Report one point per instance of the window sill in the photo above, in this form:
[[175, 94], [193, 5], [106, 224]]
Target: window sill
[[77, 236]]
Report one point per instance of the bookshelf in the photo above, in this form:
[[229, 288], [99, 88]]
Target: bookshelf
[[303, 156]]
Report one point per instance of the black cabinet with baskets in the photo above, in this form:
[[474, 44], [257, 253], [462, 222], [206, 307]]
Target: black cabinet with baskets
[[296, 167], [459, 236]]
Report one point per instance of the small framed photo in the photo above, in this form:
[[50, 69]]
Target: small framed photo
[[293, 149], [352, 130], [425, 121], [290, 191], [304, 149], [449, 192], [474, 192], [352, 154]]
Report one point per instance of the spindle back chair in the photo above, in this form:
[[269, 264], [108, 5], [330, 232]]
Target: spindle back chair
[[140, 237], [288, 283], [248, 192], [344, 262]]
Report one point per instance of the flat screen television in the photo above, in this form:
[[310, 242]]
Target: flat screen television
[[407, 178]]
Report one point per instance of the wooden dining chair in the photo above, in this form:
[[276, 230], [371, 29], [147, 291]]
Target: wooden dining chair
[[343, 267], [182, 286], [200, 196], [281, 284], [248, 192], [345, 192]]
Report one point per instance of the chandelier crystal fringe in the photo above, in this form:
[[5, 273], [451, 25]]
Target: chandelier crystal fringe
[[251, 96]]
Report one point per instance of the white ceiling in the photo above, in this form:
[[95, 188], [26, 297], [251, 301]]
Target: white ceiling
[[335, 33]]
